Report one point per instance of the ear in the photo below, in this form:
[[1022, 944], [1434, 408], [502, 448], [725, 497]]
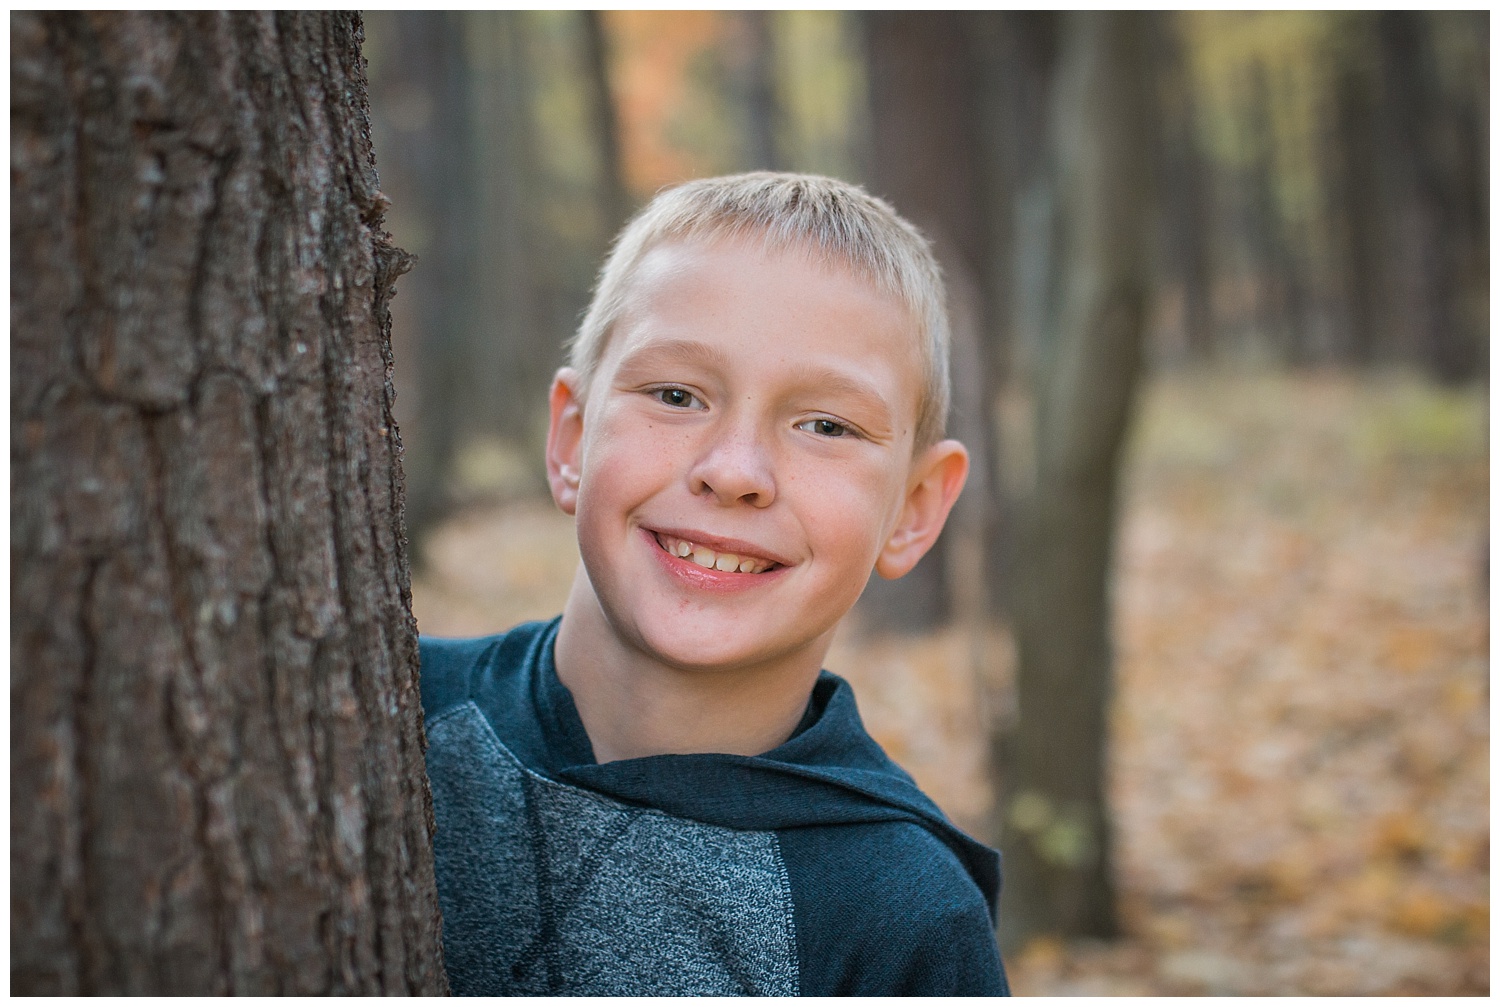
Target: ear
[[565, 440], [937, 477]]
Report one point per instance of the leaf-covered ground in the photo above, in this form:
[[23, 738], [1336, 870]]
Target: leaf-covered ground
[[1300, 768]]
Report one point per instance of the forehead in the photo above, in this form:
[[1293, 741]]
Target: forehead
[[719, 284]]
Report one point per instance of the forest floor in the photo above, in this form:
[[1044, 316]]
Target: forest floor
[[1300, 763]]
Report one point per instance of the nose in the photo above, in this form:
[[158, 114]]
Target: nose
[[735, 467]]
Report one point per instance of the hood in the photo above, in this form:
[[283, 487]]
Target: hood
[[830, 772]]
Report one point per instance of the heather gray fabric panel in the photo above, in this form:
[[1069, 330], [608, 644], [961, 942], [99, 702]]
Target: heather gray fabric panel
[[554, 890]]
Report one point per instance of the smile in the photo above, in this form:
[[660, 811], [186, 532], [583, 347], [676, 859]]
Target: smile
[[702, 555]]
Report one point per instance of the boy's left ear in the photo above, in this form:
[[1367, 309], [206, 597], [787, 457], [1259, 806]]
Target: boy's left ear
[[937, 477]]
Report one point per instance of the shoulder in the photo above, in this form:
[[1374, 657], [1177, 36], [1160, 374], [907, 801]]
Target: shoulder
[[887, 909], [455, 670], [448, 665]]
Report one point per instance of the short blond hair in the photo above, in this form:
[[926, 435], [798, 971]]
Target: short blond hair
[[836, 221]]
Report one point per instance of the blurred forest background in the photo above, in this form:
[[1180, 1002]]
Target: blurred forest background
[[1205, 649]]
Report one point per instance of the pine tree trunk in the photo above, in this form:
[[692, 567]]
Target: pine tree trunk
[[216, 781], [1056, 827]]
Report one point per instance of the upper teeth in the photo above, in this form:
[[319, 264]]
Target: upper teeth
[[702, 555]]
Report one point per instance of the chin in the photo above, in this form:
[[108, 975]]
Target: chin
[[706, 643], [705, 655]]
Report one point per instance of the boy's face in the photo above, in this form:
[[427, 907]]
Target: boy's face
[[745, 456]]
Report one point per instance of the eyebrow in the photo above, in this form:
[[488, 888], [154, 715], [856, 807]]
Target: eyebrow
[[834, 383], [678, 351]]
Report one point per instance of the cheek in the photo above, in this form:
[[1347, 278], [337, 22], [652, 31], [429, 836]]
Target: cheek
[[853, 507], [622, 462]]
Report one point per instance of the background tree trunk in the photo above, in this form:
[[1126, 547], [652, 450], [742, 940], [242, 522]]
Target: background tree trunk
[[428, 154], [1055, 825], [507, 343], [1430, 233], [614, 200], [217, 781], [1354, 196], [928, 161], [1185, 215], [762, 112], [1282, 313]]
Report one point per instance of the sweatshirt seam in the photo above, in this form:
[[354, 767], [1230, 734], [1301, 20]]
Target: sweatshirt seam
[[784, 878]]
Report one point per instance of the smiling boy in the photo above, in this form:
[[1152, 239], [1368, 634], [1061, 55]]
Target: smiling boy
[[662, 792]]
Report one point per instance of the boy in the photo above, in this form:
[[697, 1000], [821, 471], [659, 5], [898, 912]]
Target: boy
[[661, 792]]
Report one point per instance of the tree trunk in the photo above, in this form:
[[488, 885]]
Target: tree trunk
[[427, 148], [614, 200], [1281, 312], [216, 781], [1055, 827], [1015, 53], [762, 112], [1354, 196], [1427, 239], [511, 350], [928, 163], [1183, 169]]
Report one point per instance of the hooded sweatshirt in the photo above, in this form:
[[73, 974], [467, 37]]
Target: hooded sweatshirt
[[817, 868]]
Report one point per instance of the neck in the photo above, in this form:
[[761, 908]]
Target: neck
[[633, 705]]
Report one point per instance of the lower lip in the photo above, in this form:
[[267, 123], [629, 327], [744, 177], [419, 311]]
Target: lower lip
[[705, 579]]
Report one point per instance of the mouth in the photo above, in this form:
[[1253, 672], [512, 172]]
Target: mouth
[[709, 558]]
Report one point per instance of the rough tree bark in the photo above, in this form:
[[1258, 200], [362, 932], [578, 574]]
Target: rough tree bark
[[1055, 825], [217, 779]]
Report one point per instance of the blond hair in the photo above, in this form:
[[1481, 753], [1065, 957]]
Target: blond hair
[[837, 222]]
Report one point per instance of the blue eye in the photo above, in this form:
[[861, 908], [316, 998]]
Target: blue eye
[[679, 397], [824, 428]]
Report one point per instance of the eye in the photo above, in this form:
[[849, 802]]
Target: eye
[[824, 428], [681, 398]]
